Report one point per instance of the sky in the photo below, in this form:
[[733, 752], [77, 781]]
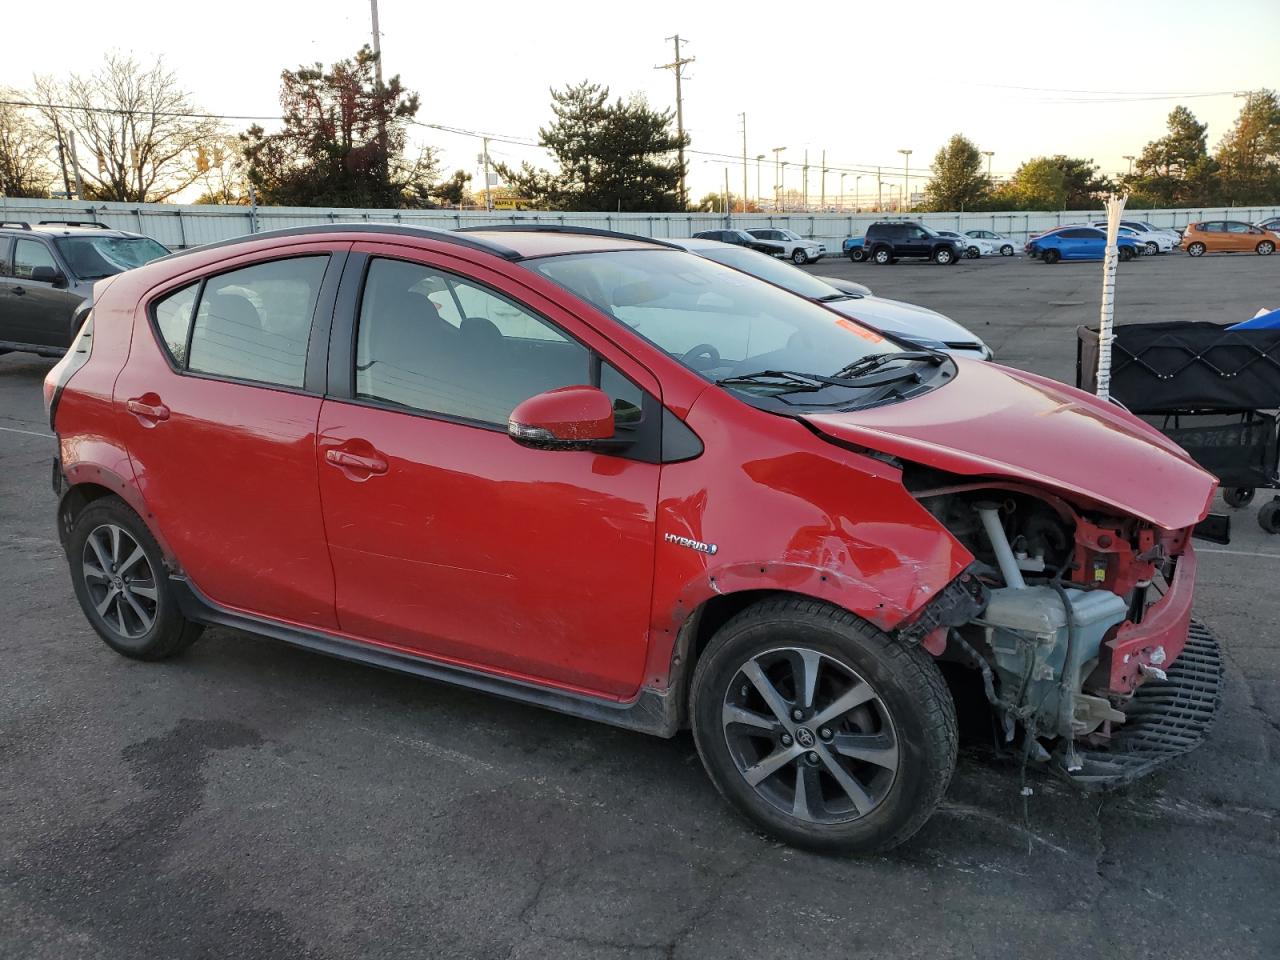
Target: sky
[[1019, 79]]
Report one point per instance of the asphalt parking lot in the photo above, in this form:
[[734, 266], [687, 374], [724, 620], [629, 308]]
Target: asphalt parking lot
[[250, 800]]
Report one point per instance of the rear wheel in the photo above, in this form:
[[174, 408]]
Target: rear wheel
[[822, 729], [881, 255], [1266, 248], [1051, 256], [799, 257], [1196, 250], [943, 255], [1238, 496], [1126, 253], [118, 573], [857, 254]]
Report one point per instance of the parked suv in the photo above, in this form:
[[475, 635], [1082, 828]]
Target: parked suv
[[891, 242], [794, 247], [599, 474], [48, 270]]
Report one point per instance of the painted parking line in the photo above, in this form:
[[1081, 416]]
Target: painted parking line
[[1240, 553], [29, 433]]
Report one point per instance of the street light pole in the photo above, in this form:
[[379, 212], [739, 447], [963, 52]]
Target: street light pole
[[988, 154], [744, 161], [783, 181], [759, 198], [842, 176], [857, 187], [777, 178], [1129, 157], [906, 177]]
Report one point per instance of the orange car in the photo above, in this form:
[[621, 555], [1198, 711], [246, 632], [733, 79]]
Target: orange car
[[1228, 236]]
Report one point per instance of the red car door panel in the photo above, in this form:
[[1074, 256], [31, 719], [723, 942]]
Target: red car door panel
[[231, 468], [471, 548]]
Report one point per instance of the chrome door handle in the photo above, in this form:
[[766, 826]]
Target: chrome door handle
[[354, 461]]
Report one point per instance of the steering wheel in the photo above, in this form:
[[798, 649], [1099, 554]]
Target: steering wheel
[[702, 357]]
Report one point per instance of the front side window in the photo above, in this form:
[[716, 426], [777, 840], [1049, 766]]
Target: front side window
[[29, 254], [435, 342], [249, 324], [1234, 226]]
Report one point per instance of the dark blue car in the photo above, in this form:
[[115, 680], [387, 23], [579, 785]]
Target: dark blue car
[[1077, 243]]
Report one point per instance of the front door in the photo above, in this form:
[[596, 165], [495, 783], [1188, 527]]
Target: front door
[[41, 311], [219, 401], [450, 540]]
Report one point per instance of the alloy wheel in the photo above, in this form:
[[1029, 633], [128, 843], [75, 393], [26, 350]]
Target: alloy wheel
[[810, 736], [120, 581]]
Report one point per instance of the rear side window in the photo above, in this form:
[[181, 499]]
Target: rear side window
[[253, 324], [5, 245], [248, 324]]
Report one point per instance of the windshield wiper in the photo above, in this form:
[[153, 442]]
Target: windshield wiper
[[874, 361], [788, 380]]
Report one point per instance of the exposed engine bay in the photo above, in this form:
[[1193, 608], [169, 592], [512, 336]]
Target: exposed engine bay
[[1063, 609]]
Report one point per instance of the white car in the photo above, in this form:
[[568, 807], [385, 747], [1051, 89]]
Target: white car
[[974, 247], [1005, 246], [795, 247], [1152, 237]]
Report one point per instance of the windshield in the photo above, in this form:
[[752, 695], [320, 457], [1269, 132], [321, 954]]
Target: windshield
[[776, 271], [715, 320], [92, 258]]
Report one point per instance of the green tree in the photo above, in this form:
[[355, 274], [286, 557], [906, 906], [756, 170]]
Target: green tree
[[1249, 155], [618, 156], [1053, 183], [1175, 170], [958, 181], [344, 142]]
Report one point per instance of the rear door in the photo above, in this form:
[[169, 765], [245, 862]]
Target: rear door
[[218, 404], [1239, 237], [450, 540]]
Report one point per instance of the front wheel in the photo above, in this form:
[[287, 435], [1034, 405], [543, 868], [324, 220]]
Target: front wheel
[[1051, 256], [1266, 248], [822, 729], [1238, 496], [882, 255], [799, 257], [1196, 250], [1153, 248], [1006, 251], [1126, 253], [118, 574], [943, 256]]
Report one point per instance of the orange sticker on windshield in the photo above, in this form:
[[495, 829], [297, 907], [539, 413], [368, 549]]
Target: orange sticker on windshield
[[861, 331]]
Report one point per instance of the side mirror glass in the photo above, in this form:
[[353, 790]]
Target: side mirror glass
[[567, 418]]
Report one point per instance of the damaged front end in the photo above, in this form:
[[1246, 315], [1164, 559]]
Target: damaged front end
[[1080, 623]]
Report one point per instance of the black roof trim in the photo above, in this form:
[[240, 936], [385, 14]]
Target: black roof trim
[[75, 223], [396, 229], [14, 225], [566, 228]]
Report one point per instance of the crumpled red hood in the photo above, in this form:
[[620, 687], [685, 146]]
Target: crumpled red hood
[[995, 421]]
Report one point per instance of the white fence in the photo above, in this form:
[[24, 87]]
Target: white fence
[[178, 226]]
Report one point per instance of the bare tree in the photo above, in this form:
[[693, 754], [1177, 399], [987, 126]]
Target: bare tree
[[221, 172], [138, 130], [24, 151]]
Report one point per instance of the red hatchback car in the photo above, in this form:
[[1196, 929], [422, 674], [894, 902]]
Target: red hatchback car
[[599, 474]]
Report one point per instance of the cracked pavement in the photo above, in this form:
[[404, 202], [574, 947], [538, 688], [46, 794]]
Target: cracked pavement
[[252, 800]]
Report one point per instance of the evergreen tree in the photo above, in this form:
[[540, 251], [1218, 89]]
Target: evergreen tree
[[1249, 154], [1176, 170]]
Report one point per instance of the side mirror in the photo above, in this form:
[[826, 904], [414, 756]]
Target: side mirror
[[47, 275], [567, 418]]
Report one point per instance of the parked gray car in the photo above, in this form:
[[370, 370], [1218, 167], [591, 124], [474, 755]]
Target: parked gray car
[[48, 270], [906, 321]]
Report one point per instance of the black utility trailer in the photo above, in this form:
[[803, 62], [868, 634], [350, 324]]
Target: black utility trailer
[[1213, 391]]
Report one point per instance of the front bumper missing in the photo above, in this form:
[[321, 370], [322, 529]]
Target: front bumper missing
[[1164, 719]]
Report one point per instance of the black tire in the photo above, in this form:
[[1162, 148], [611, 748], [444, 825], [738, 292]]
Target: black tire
[[973, 253], [1238, 496], [1196, 249], [1126, 254], [1051, 256], [1153, 248], [1265, 248], [799, 257], [1269, 516], [881, 255], [919, 734], [858, 254], [943, 256], [1006, 250], [169, 632]]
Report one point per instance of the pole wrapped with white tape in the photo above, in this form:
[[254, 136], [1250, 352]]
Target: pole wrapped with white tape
[[1106, 317]]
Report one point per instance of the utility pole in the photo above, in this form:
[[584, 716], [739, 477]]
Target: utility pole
[[879, 191], [377, 42], [1129, 157], [822, 193], [377, 73], [857, 188], [988, 154], [906, 178], [777, 179], [759, 198], [677, 67], [783, 183], [842, 176], [62, 157], [75, 164], [725, 208], [484, 158], [744, 161], [804, 182]]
